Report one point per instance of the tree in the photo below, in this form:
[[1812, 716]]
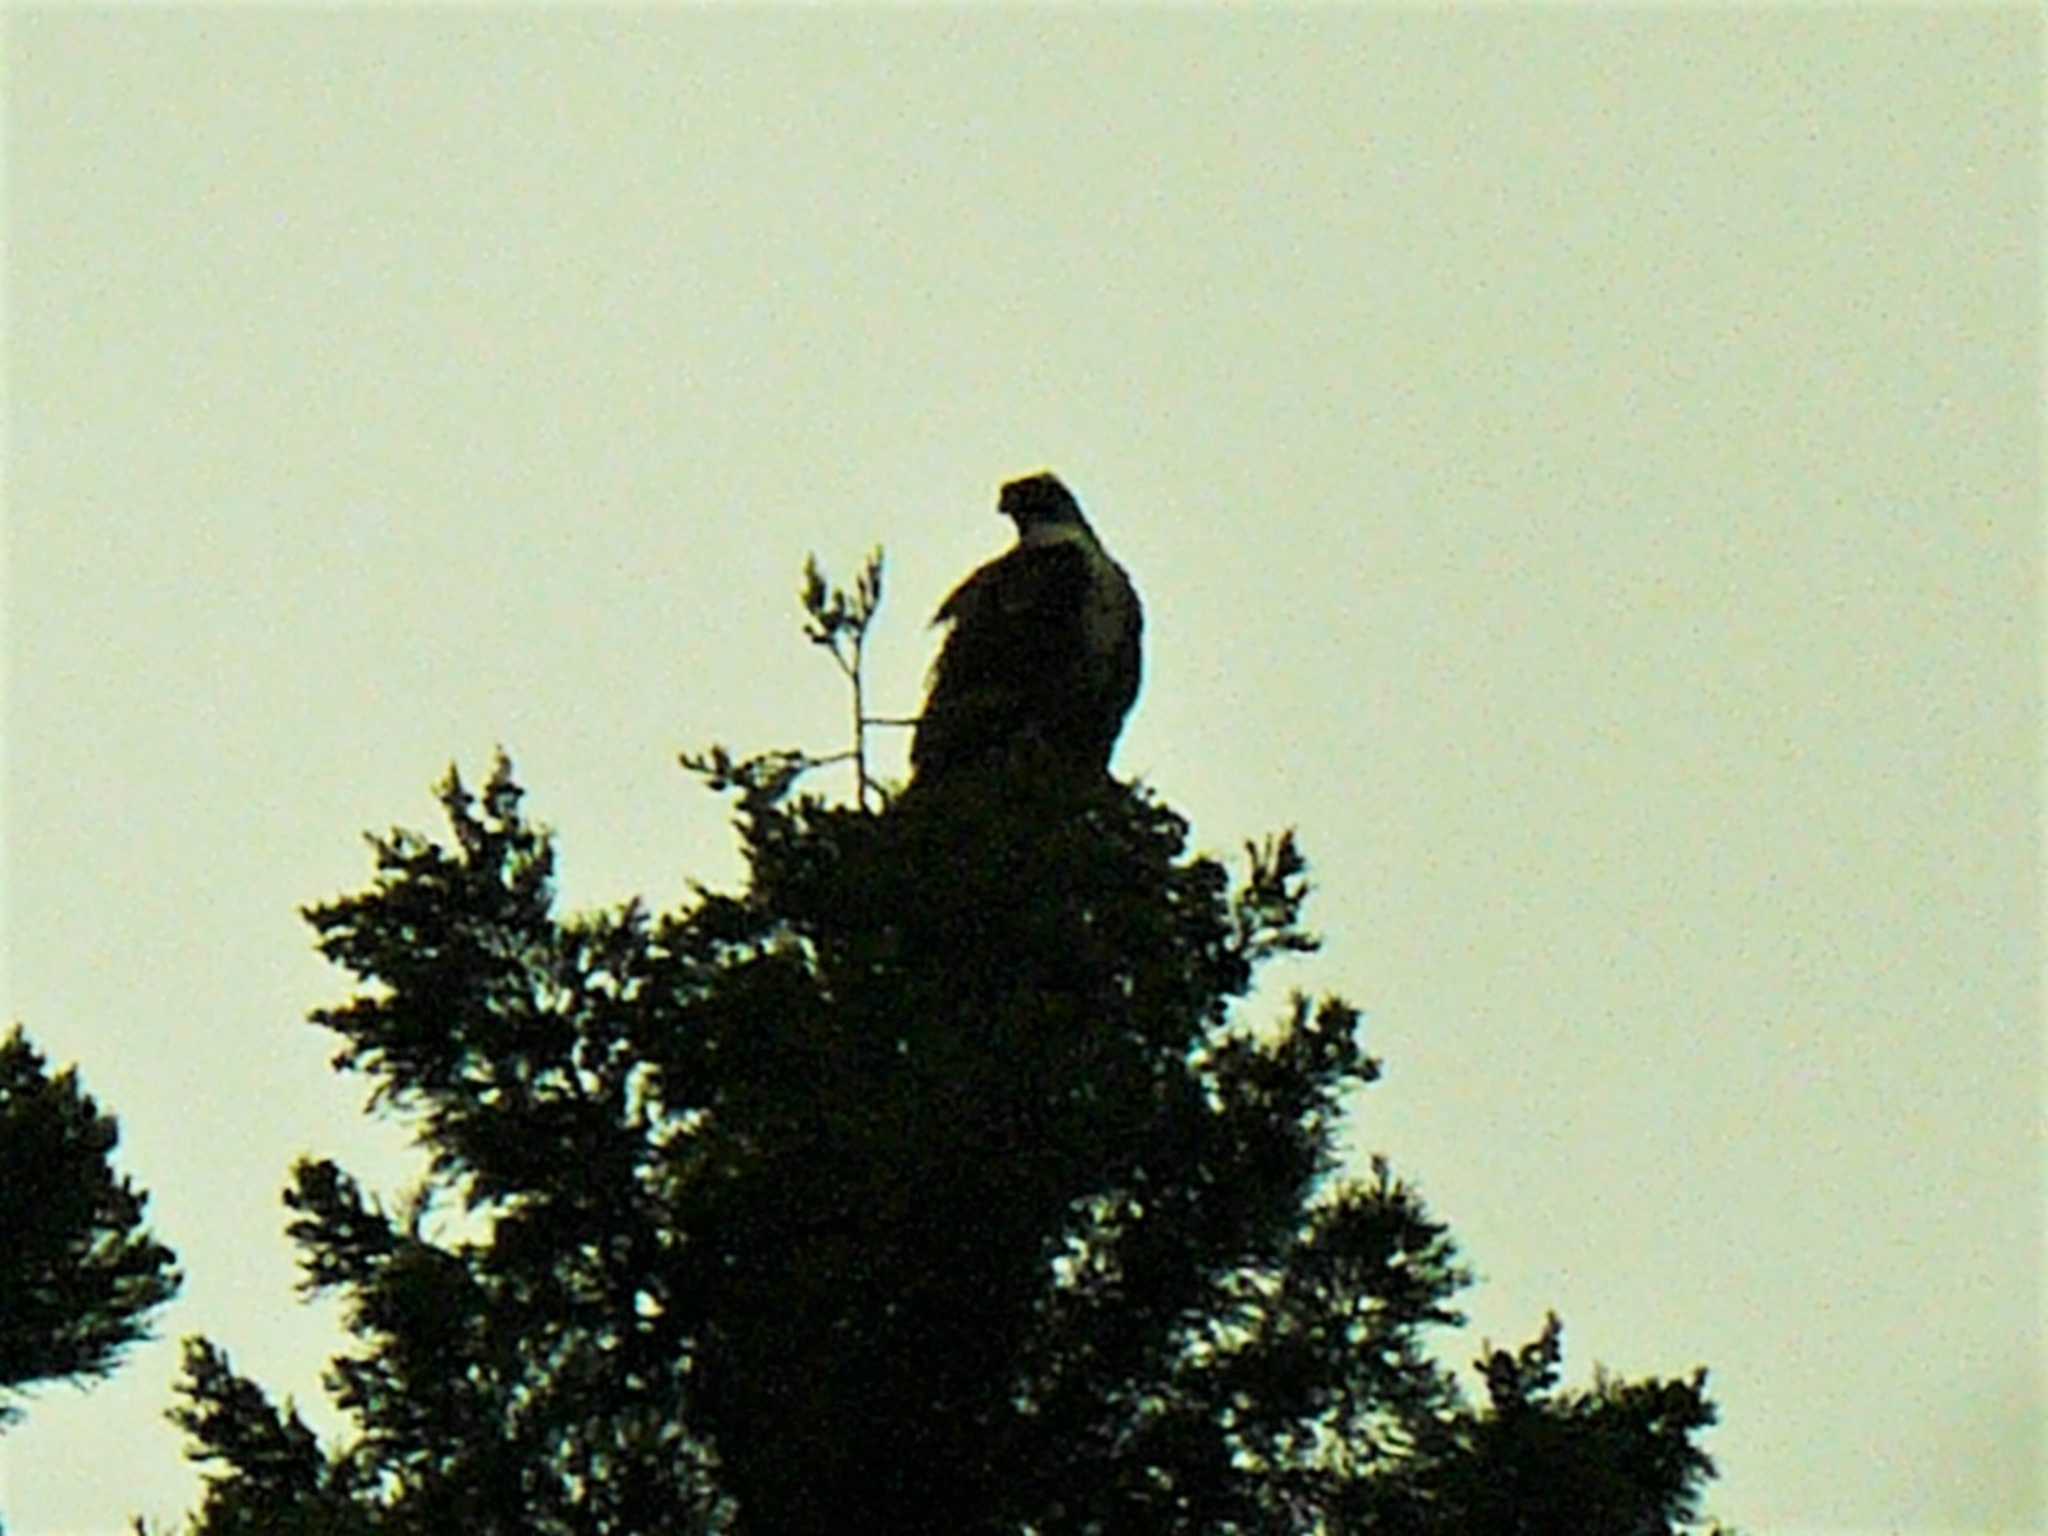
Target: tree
[[926, 1183], [79, 1274]]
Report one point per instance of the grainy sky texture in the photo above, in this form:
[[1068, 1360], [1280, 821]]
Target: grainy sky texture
[[1583, 467]]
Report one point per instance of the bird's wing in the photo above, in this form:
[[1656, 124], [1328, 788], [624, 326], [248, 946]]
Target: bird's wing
[[1011, 651], [1013, 613], [1128, 651], [1032, 578]]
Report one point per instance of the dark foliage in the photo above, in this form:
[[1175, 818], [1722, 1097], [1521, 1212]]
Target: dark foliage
[[923, 1185], [79, 1273]]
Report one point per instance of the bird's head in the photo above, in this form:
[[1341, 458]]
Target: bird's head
[[1040, 502]]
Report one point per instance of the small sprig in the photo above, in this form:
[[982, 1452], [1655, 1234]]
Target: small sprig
[[837, 621]]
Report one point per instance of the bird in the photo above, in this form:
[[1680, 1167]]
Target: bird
[[1041, 660]]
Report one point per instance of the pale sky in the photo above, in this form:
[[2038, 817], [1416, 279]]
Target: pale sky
[[1583, 467]]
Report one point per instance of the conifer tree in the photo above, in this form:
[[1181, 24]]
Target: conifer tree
[[80, 1275], [927, 1182]]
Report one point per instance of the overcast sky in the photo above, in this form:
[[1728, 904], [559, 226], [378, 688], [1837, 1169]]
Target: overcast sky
[[1583, 468]]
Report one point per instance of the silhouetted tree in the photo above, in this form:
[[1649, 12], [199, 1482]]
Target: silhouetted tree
[[925, 1183], [79, 1273]]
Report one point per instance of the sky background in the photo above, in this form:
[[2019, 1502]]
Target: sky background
[[1583, 467]]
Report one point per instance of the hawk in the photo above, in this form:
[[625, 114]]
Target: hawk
[[1042, 648]]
